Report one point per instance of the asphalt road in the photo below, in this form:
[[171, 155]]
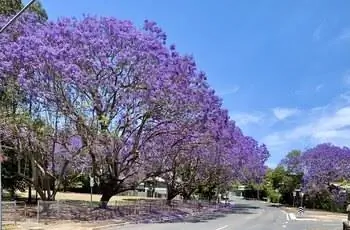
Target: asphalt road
[[247, 215]]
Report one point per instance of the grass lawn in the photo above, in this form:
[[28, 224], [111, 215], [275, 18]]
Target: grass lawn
[[85, 196], [10, 227]]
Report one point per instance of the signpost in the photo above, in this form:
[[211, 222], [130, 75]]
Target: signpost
[[92, 183], [302, 198], [294, 195]]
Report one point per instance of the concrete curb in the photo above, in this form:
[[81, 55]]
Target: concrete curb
[[109, 226], [292, 216]]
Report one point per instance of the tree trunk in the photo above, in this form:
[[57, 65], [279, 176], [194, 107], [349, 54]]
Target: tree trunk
[[65, 187], [29, 194], [186, 197], [170, 196], [13, 194], [187, 193], [106, 196]]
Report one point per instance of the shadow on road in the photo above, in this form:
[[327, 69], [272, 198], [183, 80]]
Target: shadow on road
[[146, 212], [177, 216], [275, 205]]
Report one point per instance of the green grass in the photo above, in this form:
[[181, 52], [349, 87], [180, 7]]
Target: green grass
[[84, 197]]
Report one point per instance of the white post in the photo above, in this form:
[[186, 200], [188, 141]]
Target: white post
[[302, 198], [15, 207], [38, 211], [91, 187]]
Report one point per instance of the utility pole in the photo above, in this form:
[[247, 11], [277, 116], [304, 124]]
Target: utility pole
[[15, 17]]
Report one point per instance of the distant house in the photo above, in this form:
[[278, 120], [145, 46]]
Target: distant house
[[153, 187], [238, 190], [156, 188]]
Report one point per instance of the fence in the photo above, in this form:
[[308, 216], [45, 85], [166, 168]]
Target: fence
[[13, 211], [48, 210]]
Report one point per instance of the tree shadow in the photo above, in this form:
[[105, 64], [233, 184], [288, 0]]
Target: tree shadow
[[140, 212], [275, 205], [184, 215]]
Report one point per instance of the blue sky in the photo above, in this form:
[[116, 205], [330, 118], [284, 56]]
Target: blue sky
[[282, 67]]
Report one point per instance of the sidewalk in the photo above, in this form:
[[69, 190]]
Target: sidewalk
[[317, 214], [69, 225]]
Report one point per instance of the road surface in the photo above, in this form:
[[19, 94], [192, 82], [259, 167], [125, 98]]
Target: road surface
[[247, 215]]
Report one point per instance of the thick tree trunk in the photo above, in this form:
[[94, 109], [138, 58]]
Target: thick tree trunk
[[170, 196], [13, 194], [64, 187], [187, 194], [186, 197], [106, 196]]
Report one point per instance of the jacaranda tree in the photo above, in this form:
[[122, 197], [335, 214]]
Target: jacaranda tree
[[125, 105], [325, 164]]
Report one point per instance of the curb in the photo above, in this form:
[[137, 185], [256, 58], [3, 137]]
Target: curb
[[292, 216], [109, 226]]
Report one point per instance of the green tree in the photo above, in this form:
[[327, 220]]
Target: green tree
[[11, 7], [292, 163], [11, 106], [271, 183], [285, 178], [39, 10]]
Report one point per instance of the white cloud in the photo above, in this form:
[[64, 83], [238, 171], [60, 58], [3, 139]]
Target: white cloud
[[274, 139], [331, 127], [233, 90], [246, 118], [283, 113]]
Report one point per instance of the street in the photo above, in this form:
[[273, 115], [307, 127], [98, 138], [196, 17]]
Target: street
[[250, 215]]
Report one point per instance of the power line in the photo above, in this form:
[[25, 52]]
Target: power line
[[16, 16]]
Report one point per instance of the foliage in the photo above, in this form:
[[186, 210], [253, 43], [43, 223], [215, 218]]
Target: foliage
[[11, 7], [11, 181], [319, 172], [292, 162], [280, 183], [324, 166], [115, 102], [11, 112]]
